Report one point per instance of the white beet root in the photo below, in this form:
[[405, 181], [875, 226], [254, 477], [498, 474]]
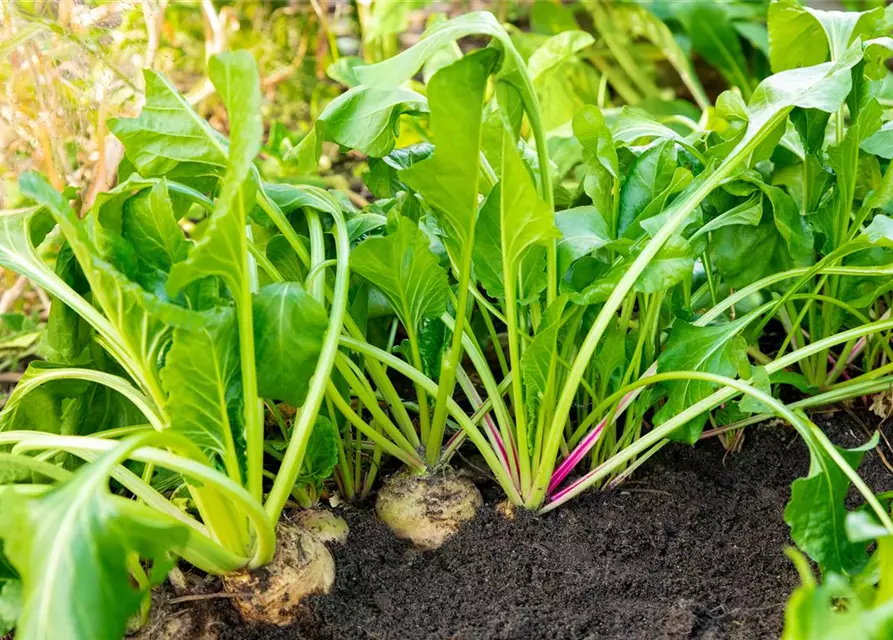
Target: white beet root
[[427, 510], [325, 525], [275, 593]]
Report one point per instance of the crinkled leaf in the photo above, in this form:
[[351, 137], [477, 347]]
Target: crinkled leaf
[[168, 133]]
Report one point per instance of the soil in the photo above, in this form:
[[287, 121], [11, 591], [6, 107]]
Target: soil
[[691, 548]]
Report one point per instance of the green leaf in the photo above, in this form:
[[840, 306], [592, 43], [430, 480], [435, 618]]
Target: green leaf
[[880, 143], [10, 604], [365, 118], [289, 327], [593, 134], [448, 180], [71, 547], [221, 251], [713, 36], [631, 125], [526, 220], [583, 231], [748, 213], [67, 335], [562, 81], [557, 50], [537, 357], [796, 39], [713, 349], [20, 232], [816, 511], [151, 227], [169, 135], [202, 379], [283, 257], [782, 240], [760, 381], [487, 255], [672, 264], [405, 270], [647, 180], [322, 452], [397, 70], [136, 321]]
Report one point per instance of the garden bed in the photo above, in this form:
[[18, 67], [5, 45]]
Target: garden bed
[[692, 547]]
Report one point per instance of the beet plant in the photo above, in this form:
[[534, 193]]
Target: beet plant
[[161, 350], [640, 296]]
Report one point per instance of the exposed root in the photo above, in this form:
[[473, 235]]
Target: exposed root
[[170, 621], [427, 509], [324, 524], [275, 593]]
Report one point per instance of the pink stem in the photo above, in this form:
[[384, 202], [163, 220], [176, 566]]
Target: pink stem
[[585, 446]]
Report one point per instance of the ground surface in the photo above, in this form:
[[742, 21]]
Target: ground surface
[[692, 548]]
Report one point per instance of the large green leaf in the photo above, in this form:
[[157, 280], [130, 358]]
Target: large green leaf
[[168, 134], [366, 118], [289, 326], [713, 349], [403, 268], [563, 82], [817, 511], [448, 180], [796, 39], [488, 255], [203, 382], [222, 251], [526, 221], [72, 546], [782, 240], [137, 322]]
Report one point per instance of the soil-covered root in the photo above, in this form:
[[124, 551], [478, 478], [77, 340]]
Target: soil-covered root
[[325, 525], [169, 621], [275, 594], [427, 510]]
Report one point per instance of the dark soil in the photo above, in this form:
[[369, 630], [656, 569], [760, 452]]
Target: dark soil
[[692, 548]]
